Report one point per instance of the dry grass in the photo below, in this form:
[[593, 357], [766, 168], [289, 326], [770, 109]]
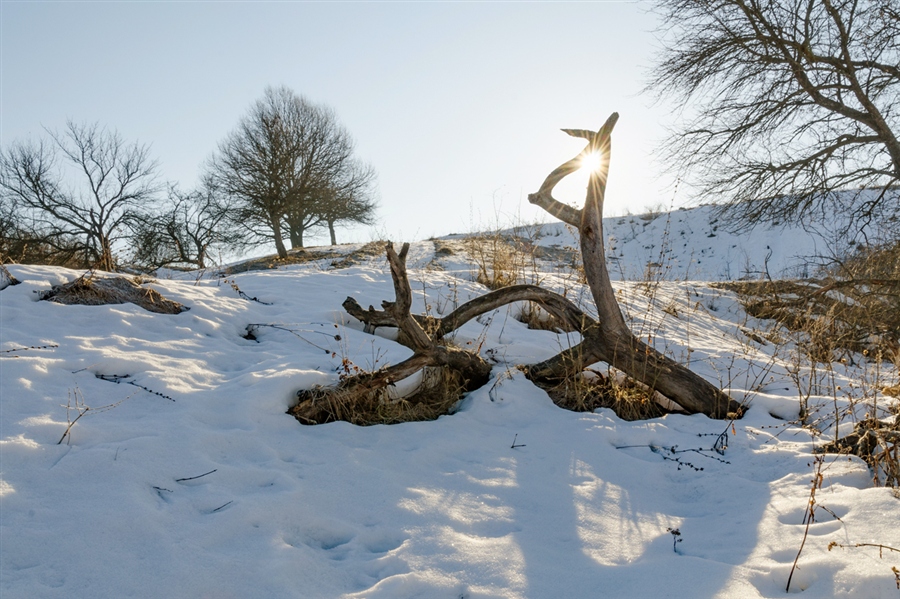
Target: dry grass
[[850, 315], [90, 290], [586, 393], [497, 259], [370, 250], [502, 259], [437, 395], [835, 316], [301, 256]]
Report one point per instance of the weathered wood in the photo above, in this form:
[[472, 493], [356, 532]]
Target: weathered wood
[[568, 315], [613, 342], [607, 339], [473, 370], [418, 340]]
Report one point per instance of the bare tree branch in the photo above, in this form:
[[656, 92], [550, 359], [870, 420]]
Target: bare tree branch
[[785, 101], [118, 180]]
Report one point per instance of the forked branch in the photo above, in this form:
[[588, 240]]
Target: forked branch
[[607, 339], [316, 406]]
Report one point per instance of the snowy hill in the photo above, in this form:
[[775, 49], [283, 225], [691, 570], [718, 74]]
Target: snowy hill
[[695, 244], [185, 477]]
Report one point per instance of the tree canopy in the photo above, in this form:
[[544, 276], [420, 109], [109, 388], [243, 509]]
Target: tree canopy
[[783, 101], [80, 192], [289, 166]]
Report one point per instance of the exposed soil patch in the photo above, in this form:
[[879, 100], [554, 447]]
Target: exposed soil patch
[[89, 290], [367, 252], [301, 256]]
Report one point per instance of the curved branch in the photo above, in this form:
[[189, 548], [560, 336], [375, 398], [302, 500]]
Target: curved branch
[[612, 341], [567, 314], [419, 340]]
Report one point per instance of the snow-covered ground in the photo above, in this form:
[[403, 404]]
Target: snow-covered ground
[[187, 478], [696, 244]]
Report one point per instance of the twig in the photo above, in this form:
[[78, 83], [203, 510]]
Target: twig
[[674, 450], [71, 424], [675, 532], [881, 547], [222, 507], [253, 326], [8, 351], [809, 517], [243, 295], [82, 410], [120, 378], [181, 480]]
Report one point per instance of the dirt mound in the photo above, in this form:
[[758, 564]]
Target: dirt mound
[[89, 290]]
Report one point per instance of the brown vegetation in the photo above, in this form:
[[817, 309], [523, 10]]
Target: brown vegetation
[[91, 290]]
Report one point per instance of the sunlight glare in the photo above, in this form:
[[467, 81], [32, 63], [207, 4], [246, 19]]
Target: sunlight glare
[[590, 162]]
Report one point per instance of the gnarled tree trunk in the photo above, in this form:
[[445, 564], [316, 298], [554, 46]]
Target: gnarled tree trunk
[[612, 341], [607, 339], [469, 368]]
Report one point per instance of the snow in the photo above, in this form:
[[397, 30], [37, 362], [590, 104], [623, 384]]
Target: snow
[[193, 482]]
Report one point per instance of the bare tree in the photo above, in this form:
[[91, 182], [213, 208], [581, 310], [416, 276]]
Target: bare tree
[[83, 187], [185, 230], [350, 200], [283, 164], [784, 101]]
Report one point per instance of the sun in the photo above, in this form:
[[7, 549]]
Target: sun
[[591, 161]]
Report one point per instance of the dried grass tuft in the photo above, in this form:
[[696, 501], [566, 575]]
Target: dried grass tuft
[[373, 249], [500, 259], [437, 395], [586, 393], [90, 290]]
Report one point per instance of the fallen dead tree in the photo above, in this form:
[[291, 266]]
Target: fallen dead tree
[[367, 392], [606, 339]]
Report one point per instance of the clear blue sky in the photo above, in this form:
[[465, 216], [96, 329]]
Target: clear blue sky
[[457, 105]]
